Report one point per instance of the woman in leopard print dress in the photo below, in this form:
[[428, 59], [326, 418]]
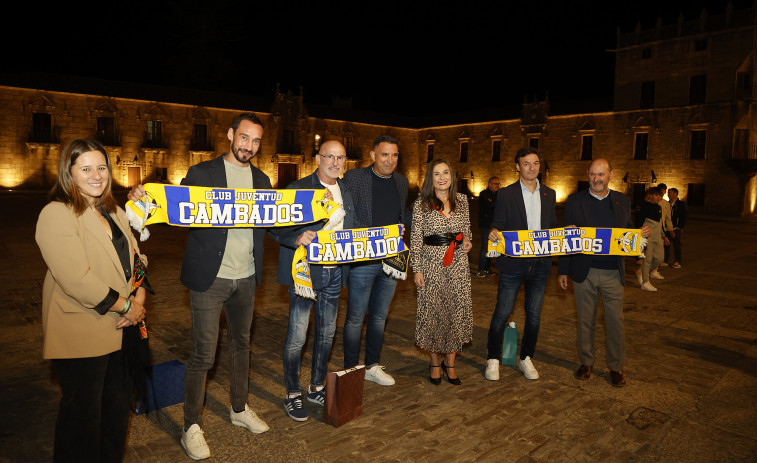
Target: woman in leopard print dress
[[440, 238]]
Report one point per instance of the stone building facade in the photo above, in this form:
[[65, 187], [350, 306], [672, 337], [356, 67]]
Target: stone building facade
[[684, 114]]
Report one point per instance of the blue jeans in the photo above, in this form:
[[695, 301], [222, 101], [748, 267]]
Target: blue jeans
[[326, 306], [532, 273], [238, 296], [370, 289]]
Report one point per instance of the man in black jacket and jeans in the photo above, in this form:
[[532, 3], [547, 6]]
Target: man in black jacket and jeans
[[486, 202]]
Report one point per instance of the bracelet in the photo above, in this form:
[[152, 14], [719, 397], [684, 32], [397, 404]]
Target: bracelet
[[127, 307]]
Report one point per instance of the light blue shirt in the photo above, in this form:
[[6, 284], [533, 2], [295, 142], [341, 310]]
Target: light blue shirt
[[532, 202]]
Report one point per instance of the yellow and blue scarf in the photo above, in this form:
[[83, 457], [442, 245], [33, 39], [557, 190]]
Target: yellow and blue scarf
[[567, 241], [194, 206], [334, 247]]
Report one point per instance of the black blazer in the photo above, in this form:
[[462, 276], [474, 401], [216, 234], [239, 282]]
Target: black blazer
[[510, 215], [577, 213], [286, 236], [205, 246], [360, 184]]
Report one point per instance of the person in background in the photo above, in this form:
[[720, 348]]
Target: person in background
[[486, 201], [89, 314], [650, 215], [440, 242], [680, 216]]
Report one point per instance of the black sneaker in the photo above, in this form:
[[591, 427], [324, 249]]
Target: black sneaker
[[482, 274], [295, 409], [317, 397]]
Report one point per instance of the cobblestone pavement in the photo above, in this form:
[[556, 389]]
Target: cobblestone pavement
[[691, 369]]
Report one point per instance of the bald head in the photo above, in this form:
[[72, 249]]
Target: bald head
[[600, 174], [331, 160]]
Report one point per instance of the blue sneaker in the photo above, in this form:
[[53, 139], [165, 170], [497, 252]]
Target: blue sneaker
[[295, 408], [317, 397]]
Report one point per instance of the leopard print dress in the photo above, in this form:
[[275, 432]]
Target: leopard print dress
[[444, 320]]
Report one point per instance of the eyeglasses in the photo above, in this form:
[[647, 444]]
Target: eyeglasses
[[331, 157]]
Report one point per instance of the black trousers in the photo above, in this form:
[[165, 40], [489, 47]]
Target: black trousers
[[93, 418]]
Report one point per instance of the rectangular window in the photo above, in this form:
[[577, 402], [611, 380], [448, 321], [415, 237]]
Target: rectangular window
[[640, 146], [161, 174], [153, 134], [106, 131], [646, 53], [698, 144], [533, 143], [42, 128], [698, 89], [349, 146], [740, 144], [429, 152], [463, 151], [496, 150], [647, 95], [743, 85], [586, 146], [695, 194], [200, 140]]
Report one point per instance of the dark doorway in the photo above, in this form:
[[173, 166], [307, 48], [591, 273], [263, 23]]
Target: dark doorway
[[287, 174]]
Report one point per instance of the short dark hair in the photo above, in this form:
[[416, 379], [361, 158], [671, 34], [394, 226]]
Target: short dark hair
[[662, 186], [673, 189], [385, 139], [493, 178], [245, 117], [523, 152]]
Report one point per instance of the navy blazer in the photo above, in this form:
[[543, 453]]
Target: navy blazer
[[287, 236], [360, 184], [578, 213], [205, 246], [510, 215]]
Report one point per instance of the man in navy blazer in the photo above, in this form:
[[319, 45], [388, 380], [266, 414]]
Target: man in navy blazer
[[327, 281], [221, 268], [524, 205], [380, 195], [599, 206]]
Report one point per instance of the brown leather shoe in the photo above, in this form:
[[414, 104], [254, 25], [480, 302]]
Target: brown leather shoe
[[618, 378], [583, 372]]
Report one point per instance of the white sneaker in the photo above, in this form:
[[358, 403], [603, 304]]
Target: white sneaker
[[638, 275], [664, 264], [492, 370], [528, 369], [249, 420], [676, 265], [377, 375], [648, 287], [656, 275], [194, 444]]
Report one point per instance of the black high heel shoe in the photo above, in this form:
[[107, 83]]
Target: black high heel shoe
[[434, 381], [455, 381]]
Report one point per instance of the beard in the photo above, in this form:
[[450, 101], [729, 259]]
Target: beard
[[242, 155]]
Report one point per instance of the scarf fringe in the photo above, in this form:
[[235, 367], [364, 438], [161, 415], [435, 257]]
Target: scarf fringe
[[393, 272], [304, 291], [136, 223], [492, 253]]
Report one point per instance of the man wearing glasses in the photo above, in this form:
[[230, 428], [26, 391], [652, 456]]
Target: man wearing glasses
[[327, 281]]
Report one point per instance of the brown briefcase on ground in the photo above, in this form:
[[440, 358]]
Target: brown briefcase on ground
[[344, 395]]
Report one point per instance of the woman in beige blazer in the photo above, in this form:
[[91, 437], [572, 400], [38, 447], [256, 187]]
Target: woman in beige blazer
[[86, 304]]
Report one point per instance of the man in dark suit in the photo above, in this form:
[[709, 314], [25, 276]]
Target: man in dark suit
[[327, 282], [486, 201], [222, 267], [594, 275], [380, 195], [524, 205]]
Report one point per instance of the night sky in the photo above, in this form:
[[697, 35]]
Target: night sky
[[409, 58]]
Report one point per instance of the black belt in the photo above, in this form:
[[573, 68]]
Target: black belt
[[441, 239]]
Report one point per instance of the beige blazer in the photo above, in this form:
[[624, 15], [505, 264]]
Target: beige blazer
[[82, 266], [667, 220]]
